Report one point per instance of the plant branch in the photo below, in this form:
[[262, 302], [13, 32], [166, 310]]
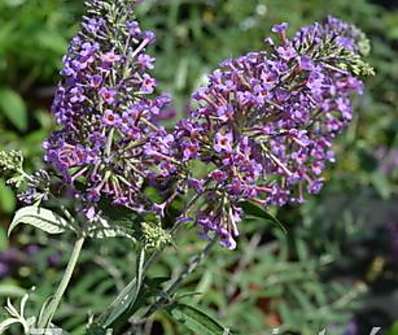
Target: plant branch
[[52, 307], [175, 285]]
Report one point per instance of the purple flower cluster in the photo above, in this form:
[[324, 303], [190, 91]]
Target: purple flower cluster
[[106, 108], [263, 126], [332, 33], [266, 121]]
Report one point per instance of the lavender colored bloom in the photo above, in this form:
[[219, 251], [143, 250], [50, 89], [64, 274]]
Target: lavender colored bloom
[[287, 51], [76, 95], [108, 95], [146, 61], [110, 118], [167, 114], [344, 34], [148, 84], [223, 142], [315, 186], [110, 57], [96, 81], [264, 125], [93, 25], [280, 28], [267, 120], [190, 150], [149, 36], [133, 28], [306, 63], [106, 110]]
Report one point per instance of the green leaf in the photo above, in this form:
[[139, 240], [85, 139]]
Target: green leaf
[[286, 314], [381, 184], [11, 290], [7, 324], [41, 218], [52, 41], [14, 109], [196, 320], [302, 298], [127, 297], [103, 229], [7, 198], [253, 210], [43, 308], [3, 239]]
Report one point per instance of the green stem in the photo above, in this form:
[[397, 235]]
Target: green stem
[[123, 294], [52, 307], [108, 146], [103, 318], [175, 285]]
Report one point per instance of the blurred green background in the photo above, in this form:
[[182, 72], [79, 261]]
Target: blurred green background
[[337, 268]]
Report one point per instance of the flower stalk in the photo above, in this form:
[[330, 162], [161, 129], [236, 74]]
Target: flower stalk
[[165, 296], [63, 285]]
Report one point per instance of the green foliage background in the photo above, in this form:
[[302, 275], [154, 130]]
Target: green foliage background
[[335, 264]]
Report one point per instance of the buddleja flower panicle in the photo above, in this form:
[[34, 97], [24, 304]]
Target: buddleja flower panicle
[[106, 107], [264, 125], [266, 121]]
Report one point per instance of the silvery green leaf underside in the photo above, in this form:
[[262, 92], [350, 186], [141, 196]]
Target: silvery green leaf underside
[[41, 218]]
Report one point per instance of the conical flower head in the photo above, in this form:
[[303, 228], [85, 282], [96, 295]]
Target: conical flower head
[[105, 106], [266, 121]]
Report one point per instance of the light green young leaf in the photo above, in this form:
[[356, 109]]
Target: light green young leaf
[[196, 320], [41, 218], [14, 108]]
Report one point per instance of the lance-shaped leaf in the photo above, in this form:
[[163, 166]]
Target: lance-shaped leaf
[[41, 218], [127, 297], [103, 229], [196, 320], [256, 211], [13, 107]]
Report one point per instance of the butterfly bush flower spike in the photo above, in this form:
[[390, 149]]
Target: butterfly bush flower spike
[[106, 108], [266, 121]]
